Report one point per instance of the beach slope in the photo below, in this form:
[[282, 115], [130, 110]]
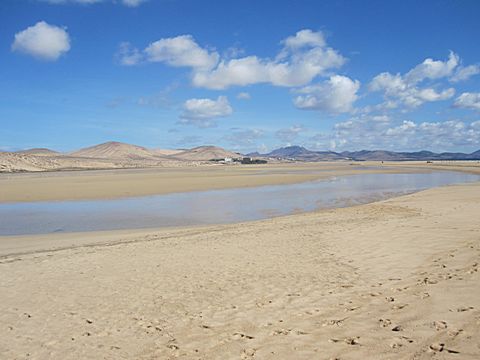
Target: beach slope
[[393, 279]]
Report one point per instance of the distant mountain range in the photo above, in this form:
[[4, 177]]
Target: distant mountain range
[[109, 155], [117, 150], [115, 155], [302, 154]]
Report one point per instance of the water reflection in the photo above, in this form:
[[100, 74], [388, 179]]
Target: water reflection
[[215, 207]]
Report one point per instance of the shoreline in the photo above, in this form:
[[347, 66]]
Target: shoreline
[[112, 184], [46, 242], [396, 278]]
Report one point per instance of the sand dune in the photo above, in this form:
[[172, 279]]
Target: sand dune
[[396, 279], [109, 155], [39, 152], [116, 150], [205, 153], [166, 152]]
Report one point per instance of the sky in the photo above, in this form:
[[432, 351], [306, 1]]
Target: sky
[[245, 75]]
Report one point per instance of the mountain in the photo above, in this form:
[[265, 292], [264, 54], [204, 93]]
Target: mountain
[[116, 150], [375, 155], [205, 153], [39, 152], [302, 154], [378, 155], [165, 152]]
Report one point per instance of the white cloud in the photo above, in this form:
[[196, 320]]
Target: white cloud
[[468, 100], [464, 73], [303, 57], [305, 38], [202, 112], [381, 118], [366, 133], [404, 89], [43, 41], [407, 128], [243, 96], [433, 69], [336, 95], [181, 51]]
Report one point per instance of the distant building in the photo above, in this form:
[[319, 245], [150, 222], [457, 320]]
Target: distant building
[[249, 160]]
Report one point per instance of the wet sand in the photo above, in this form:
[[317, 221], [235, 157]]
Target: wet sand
[[392, 279], [106, 184]]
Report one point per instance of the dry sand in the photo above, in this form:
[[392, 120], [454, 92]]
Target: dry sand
[[95, 184], [397, 279]]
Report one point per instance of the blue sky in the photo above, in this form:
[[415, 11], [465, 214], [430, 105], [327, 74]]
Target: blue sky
[[246, 75]]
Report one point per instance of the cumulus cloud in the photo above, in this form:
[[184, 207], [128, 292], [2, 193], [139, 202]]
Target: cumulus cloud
[[129, 3], [468, 100], [43, 41], [305, 38], [181, 51], [433, 69], [465, 72], [303, 57], [404, 88], [336, 95], [408, 127], [202, 112], [365, 132]]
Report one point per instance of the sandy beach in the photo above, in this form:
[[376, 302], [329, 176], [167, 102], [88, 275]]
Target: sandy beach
[[396, 279], [107, 184], [242, 180]]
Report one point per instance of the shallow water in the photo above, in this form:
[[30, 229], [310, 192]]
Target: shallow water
[[216, 206]]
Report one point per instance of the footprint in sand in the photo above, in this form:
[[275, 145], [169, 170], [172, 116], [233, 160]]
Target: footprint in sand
[[238, 336], [439, 347], [351, 340], [348, 340], [428, 281], [439, 325], [385, 322], [247, 353], [454, 333], [436, 347], [337, 322], [281, 332], [400, 341]]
